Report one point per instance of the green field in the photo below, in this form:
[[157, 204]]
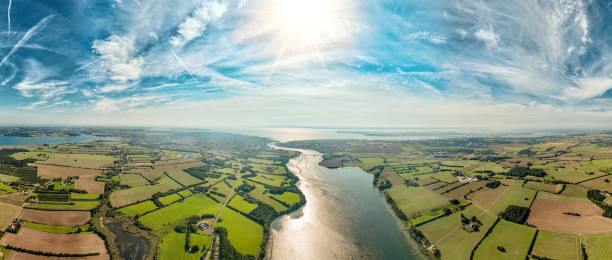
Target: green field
[[260, 194], [169, 199], [56, 229], [138, 209], [288, 197], [181, 176], [172, 246], [272, 180], [185, 193], [413, 200], [515, 238], [244, 234], [598, 246], [133, 180], [83, 196], [557, 245], [452, 241], [8, 178], [514, 195], [194, 205], [75, 205], [240, 204], [541, 186]]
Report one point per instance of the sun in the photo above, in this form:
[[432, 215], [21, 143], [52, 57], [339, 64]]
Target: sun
[[309, 22]]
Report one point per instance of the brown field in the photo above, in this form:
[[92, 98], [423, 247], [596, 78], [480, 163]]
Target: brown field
[[548, 215], [389, 174], [33, 239], [15, 255], [51, 171], [333, 163], [7, 214], [599, 184], [56, 218], [88, 183], [77, 162]]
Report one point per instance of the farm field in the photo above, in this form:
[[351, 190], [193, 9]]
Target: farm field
[[552, 188], [7, 214], [73, 205], [138, 209], [548, 215], [32, 239], [172, 246], [88, 183], [128, 196], [450, 239], [244, 234], [514, 195], [514, 238], [194, 205], [169, 199], [82, 229], [414, 200], [557, 246], [240, 204], [133, 180], [598, 246], [603, 184], [182, 177], [56, 218], [53, 171], [78, 160], [287, 197]]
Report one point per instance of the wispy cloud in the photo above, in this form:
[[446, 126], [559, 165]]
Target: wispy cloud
[[119, 58], [193, 26], [26, 37]]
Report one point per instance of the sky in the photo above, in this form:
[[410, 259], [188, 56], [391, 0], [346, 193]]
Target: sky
[[374, 63]]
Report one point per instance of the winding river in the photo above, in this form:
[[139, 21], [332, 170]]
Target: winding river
[[345, 217]]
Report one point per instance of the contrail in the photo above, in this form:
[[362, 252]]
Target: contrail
[[26, 37], [184, 67], [86, 65], [9, 18]]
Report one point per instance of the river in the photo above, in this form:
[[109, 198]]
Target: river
[[345, 217]]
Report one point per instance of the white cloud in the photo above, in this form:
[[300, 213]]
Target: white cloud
[[44, 90], [195, 25], [119, 58], [488, 36], [587, 88], [434, 38], [113, 88]]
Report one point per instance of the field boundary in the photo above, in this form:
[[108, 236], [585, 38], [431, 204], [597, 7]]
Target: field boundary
[[535, 236]]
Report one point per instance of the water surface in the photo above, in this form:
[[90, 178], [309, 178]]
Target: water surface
[[19, 141], [345, 217]]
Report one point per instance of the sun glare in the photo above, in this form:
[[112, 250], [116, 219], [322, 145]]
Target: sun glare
[[311, 24]]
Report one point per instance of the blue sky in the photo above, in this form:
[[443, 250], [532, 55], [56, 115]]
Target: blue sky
[[455, 63]]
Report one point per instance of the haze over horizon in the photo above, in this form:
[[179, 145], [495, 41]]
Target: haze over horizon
[[388, 63]]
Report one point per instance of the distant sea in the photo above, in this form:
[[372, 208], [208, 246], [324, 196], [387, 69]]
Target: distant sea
[[21, 141], [286, 134]]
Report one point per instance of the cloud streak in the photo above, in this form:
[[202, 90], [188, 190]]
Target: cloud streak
[[26, 37]]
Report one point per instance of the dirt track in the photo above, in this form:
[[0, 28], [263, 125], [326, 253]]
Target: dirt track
[[548, 215], [32, 239], [56, 218]]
